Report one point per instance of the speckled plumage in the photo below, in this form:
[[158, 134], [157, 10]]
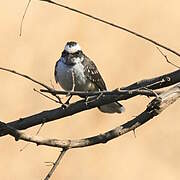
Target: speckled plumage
[[74, 71]]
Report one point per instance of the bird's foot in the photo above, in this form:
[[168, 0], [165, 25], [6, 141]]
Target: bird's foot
[[66, 104]]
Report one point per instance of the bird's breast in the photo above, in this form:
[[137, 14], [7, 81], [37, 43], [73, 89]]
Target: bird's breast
[[72, 77]]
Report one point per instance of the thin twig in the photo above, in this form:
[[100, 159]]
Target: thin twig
[[46, 96], [146, 92], [39, 129], [22, 20], [26, 77], [33, 80], [114, 25], [52, 84], [55, 164], [26, 145], [165, 56], [154, 92]]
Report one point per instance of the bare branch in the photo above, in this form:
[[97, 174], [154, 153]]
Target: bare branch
[[114, 25], [154, 108], [56, 164], [61, 112], [22, 20], [31, 79], [26, 77], [46, 96], [157, 82], [141, 91]]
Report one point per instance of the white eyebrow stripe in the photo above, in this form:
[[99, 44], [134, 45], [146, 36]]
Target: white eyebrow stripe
[[72, 49]]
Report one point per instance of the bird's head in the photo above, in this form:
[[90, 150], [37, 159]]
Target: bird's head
[[72, 53]]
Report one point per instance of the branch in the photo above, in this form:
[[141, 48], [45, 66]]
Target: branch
[[56, 164], [157, 82], [154, 108], [152, 83], [31, 79], [26, 77], [166, 58], [117, 92], [22, 20], [81, 105], [61, 112], [114, 25]]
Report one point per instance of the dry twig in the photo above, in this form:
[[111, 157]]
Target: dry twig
[[165, 56], [114, 25], [56, 164], [22, 20], [33, 80]]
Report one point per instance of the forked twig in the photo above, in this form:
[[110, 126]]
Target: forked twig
[[165, 56]]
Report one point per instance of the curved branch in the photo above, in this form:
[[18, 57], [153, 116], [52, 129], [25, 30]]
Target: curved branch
[[114, 25], [26, 77], [154, 108], [152, 83], [156, 82], [61, 112]]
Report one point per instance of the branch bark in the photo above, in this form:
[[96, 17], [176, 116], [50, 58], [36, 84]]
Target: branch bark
[[81, 105], [154, 108]]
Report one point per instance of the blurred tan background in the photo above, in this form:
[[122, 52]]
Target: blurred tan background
[[121, 59]]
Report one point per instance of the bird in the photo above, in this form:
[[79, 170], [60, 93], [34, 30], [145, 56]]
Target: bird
[[74, 71]]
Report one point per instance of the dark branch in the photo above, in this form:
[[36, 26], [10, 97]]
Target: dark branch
[[61, 112], [166, 58], [22, 20], [145, 92], [33, 80], [157, 82], [154, 108], [26, 77], [113, 25]]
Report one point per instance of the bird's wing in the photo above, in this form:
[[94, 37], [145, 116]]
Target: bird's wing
[[92, 73], [55, 72]]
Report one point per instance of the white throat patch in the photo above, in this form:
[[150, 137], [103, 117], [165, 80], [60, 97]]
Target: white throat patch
[[72, 48]]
